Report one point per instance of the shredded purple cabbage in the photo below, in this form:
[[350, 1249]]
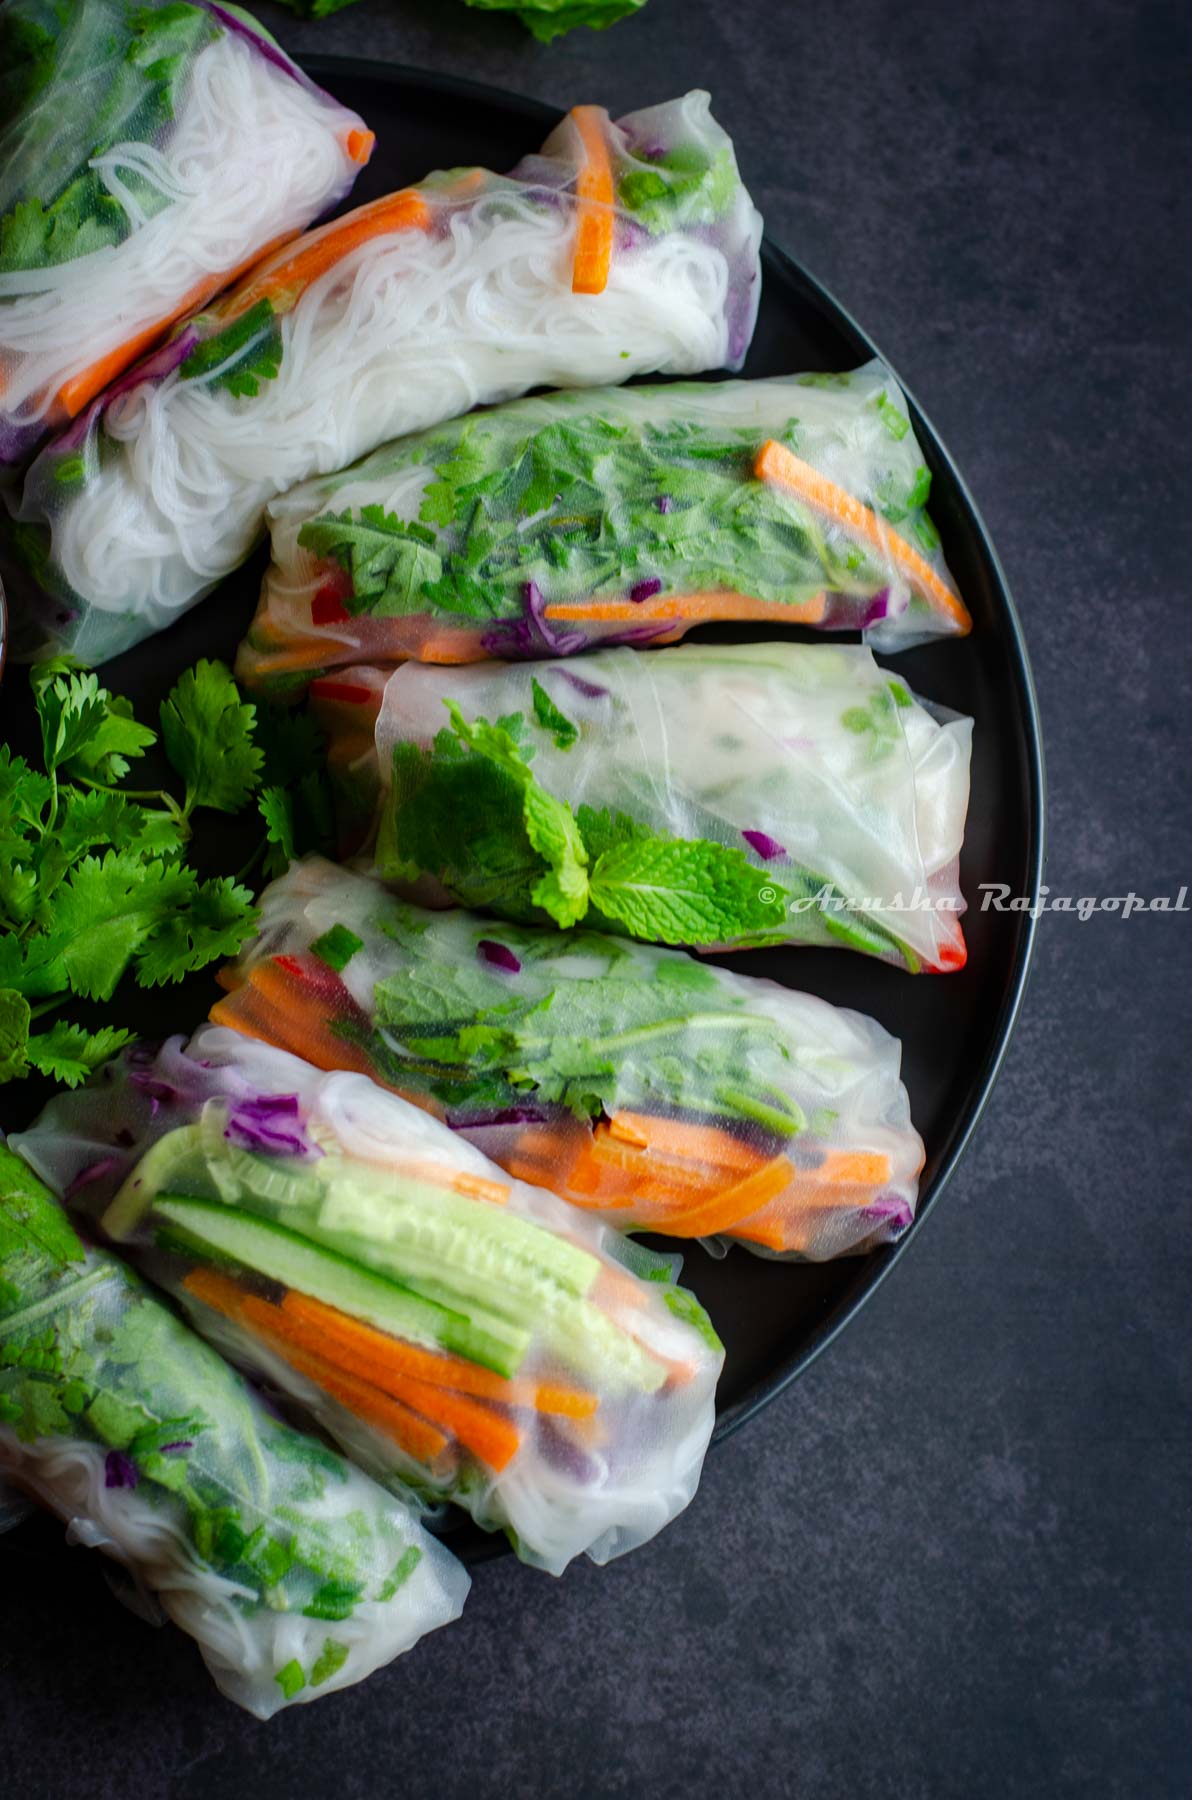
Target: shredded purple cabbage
[[645, 590], [180, 1444], [499, 955], [92, 1172], [533, 634], [768, 848], [523, 1114], [591, 690], [664, 503], [270, 1124], [119, 1471], [878, 608], [891, 1208]]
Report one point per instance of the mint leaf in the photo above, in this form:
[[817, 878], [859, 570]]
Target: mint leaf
[[549, 823], [685, 891]]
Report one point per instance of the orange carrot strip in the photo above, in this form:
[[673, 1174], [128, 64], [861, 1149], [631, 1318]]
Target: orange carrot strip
[[423, 1441], [487, 1434], [739, 1201], [722, 604], [267, 1006], [376, 1348], [596, 193], [686, 1138], [775, 463], [359, 144], [219, 1292], [79, 390], [282, 278]]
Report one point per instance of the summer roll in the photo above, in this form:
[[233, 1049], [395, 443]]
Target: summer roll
[[621, 248], [456, 1332], [615, 516], [711, 796], [293, 1572], [150, 150], [657, 1091]]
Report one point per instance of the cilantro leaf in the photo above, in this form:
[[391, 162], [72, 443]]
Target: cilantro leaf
[[71, 708], [207, 731], [70, 1054], [390, 561], [108, 909], [14, 1033], [211, 922], [551, 718], [241, 356]]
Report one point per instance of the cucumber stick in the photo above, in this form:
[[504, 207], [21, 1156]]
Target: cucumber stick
[[173, 1161], [284, 1256]]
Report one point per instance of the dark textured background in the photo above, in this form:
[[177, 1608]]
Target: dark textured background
[[954, 1560]]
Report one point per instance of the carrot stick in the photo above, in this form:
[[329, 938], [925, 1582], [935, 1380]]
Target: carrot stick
[[738, 1201], [722, 604], [423, 1441], [775, 463], [79, 390], [267, 1006], [281, 279], [487, 1434], [595, 193], [684, 1137], [359, 144], [376, 1348]]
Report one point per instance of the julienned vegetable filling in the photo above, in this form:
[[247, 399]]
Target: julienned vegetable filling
[[455, 1331], [656, 1091]]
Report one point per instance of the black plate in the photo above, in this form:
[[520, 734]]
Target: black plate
[[774, 1317]]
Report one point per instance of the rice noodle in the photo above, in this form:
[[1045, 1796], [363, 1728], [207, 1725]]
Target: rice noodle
[[255, 152], [403, 330]]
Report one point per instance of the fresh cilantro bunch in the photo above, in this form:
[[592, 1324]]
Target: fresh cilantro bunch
[[94, 882]]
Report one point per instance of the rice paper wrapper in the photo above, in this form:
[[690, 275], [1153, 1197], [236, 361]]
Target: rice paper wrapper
[[653, 1090], [619, 249], [575, 519], [713, 797], [294, 1573], [454, 1331], [148, 154]]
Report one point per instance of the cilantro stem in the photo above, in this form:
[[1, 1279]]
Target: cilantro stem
[[35, 1012]]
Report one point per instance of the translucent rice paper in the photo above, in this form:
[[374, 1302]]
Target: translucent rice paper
[[472, 1337], [619, 249], [622, 516], [714, 796], [658, 1092], [148, 153], [293, 1572]]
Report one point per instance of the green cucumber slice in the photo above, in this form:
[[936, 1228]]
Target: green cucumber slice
[[284, 1256]]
